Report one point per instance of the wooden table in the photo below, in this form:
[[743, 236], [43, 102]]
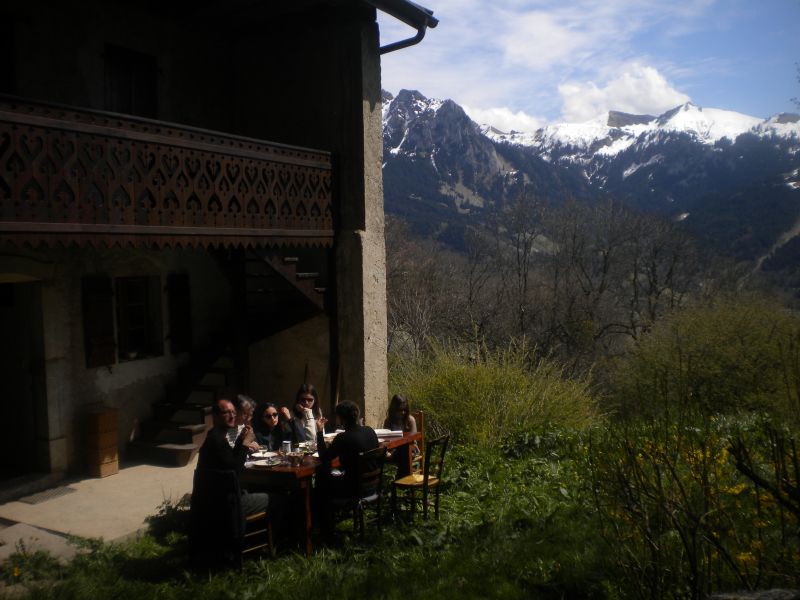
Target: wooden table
[[298, 479]]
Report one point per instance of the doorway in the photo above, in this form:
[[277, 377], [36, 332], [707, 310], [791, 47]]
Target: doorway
[[22, 381]]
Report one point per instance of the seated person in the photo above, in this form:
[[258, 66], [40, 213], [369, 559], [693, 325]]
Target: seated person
[[272, 426], [216, 453], [307, 415], [346, 447], [398, 417], [244, 406]]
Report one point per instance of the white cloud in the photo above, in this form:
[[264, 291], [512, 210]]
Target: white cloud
[[540, 57], [638, 89], [504, 119], [538, 41]]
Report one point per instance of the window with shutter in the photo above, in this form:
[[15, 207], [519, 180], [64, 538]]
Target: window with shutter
[[131, 82], [98, 320], [139, 330], [180, 312]]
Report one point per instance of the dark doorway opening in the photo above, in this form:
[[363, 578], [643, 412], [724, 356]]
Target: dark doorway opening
[[22, 381]]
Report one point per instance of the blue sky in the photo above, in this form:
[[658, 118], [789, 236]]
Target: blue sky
[[520, 64]]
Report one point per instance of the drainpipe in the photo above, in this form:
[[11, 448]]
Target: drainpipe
[[413, 15]]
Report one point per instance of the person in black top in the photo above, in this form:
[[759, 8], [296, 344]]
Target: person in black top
[[216, 453], [272, 426], [346, 447]]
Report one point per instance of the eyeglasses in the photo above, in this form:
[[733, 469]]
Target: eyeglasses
[[228, 412], [271, 415], [309, 399]]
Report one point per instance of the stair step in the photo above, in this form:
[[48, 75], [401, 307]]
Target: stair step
[[201, 397], [223, 362], [213, 379], [302, 276], [290, 259], [188, 416], [174, 433], [174, 455]]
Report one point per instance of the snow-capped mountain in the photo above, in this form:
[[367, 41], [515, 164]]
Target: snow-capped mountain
[[731, 178], [611, 134]]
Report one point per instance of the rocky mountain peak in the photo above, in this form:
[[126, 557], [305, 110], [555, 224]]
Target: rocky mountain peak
[[621, 119]]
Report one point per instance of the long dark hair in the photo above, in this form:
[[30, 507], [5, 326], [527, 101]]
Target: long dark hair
[[258, 417], [307, 388], [396, 404]]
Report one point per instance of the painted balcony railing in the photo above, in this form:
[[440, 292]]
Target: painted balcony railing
[[71, 175]]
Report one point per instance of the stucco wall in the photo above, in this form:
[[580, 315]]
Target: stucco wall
[[277, 364], [131, 386]]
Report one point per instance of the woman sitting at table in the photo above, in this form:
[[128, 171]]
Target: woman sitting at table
[[346, 447], [272, 426], [398, 417], [307, 415]]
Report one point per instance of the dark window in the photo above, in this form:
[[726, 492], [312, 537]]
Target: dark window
[[131, 82], [139, 317], [180, 313], [7, 64], [98, 320], [6, 295]]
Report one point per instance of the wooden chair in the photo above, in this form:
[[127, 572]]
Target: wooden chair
[[425, 482], [370, 489], [416, 461], [219, 532]]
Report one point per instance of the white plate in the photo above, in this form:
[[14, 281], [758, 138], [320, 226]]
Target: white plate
[[388, 433], [266, 462], [264, 454]]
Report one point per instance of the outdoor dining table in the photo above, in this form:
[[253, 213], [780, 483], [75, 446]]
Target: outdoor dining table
[[285, 477]]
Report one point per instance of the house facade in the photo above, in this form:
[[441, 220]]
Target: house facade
[[183, 186]]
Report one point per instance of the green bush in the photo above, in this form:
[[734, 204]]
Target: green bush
[[481, 396], [681, 518], [728, 356]]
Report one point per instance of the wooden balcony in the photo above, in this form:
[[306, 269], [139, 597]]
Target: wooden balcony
[[78, 176]]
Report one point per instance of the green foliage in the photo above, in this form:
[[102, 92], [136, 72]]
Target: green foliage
[[510, 529], [172, 519], [482, 395], [682, 519], [24, 566], [727, 356]]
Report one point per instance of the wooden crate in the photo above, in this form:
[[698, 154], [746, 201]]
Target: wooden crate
[[102, 442]]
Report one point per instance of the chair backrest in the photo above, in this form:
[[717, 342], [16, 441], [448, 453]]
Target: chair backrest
[[370, 471], [419, 418], [434, 457]]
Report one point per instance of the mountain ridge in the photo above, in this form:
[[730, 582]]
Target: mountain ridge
[[732, 179]]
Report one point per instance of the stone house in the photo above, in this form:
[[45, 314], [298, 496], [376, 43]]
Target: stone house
[[190, 198]]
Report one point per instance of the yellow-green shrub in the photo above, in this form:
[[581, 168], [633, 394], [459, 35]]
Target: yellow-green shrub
[[732, 355], [480, 395]]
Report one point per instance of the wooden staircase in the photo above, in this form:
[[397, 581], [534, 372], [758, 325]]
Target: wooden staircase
[[181, 421], [281, 290], [277, 291]]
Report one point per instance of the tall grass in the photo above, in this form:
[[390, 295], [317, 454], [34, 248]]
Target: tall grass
[[482, 395]]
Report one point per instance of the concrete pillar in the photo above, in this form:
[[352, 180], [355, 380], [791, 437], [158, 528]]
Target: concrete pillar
[[361, 324]]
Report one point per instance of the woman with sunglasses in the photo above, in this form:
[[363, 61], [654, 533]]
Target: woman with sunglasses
[[307, 416], [271, 426]]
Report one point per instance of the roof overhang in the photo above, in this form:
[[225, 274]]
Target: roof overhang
[[410, 13]]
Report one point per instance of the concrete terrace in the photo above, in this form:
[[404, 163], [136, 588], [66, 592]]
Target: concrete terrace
[[112, 508]]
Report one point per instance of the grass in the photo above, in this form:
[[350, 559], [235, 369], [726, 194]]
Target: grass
[[508, 530]]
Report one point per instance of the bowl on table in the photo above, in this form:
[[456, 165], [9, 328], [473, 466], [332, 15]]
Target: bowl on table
[[295, 458]]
